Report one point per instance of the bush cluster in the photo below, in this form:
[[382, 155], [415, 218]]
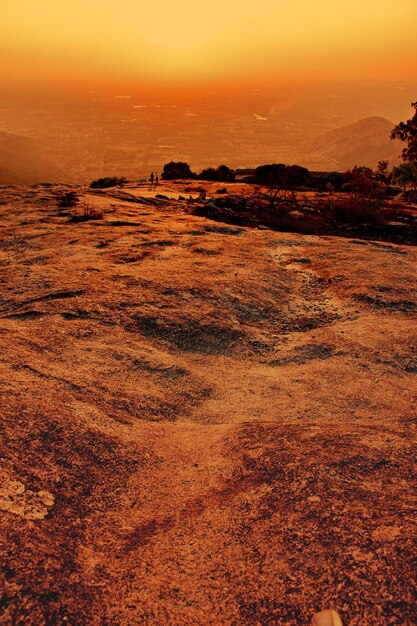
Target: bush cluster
[[108, 181], [88, 213], [280, 175], [352, 210], [178, 170], [68, 199]]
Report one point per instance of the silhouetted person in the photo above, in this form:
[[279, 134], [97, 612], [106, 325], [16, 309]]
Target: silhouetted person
[[151, 178], [157, 180]]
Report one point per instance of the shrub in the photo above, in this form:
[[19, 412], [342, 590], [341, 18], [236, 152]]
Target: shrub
[[177, 170], [109, 181], [363, 182], [273, 174], [68, 199], [308, 224], [225, 174], [208, 174], [382, 173], [405, 175], [410, 196], [88, 213], [364, 202], [269, 199], [353, 210], [407, 132], [335, 180], [222, 174], [282, 176], [297, 176]]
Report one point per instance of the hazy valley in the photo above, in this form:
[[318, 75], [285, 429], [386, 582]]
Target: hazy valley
[[79, 137]]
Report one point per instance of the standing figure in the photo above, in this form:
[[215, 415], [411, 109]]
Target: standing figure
[[151, 178], [157, 180]]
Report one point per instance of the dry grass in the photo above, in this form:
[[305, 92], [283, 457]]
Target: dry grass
[[86, 214]]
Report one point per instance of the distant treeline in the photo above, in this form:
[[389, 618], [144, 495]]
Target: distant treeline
[[277, 174], [295, 176], [291, 177]]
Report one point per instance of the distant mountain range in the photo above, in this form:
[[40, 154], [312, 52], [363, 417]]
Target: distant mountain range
[[24, 161], [363, 143]]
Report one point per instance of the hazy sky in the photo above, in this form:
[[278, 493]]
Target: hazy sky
[[180, 40]]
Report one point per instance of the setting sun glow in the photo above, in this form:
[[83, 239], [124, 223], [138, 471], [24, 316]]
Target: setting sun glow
[[172, 41]]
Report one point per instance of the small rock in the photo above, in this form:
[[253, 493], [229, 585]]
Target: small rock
[[326, 618]]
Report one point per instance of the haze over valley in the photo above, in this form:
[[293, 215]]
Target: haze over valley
[[76, 136]]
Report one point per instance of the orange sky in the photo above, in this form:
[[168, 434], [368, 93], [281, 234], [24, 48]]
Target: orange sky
[[187, 40]]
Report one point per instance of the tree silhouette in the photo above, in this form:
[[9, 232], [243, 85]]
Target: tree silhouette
[[225, 174], [177, 170], [407, 132], [273, 175], [382, 172], [108, 181], [405, 175], [282, 176]]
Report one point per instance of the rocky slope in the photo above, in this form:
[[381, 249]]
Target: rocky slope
[[202, 424]]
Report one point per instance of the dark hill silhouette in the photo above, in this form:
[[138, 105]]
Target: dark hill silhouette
[[24, 161], [365, 142]]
